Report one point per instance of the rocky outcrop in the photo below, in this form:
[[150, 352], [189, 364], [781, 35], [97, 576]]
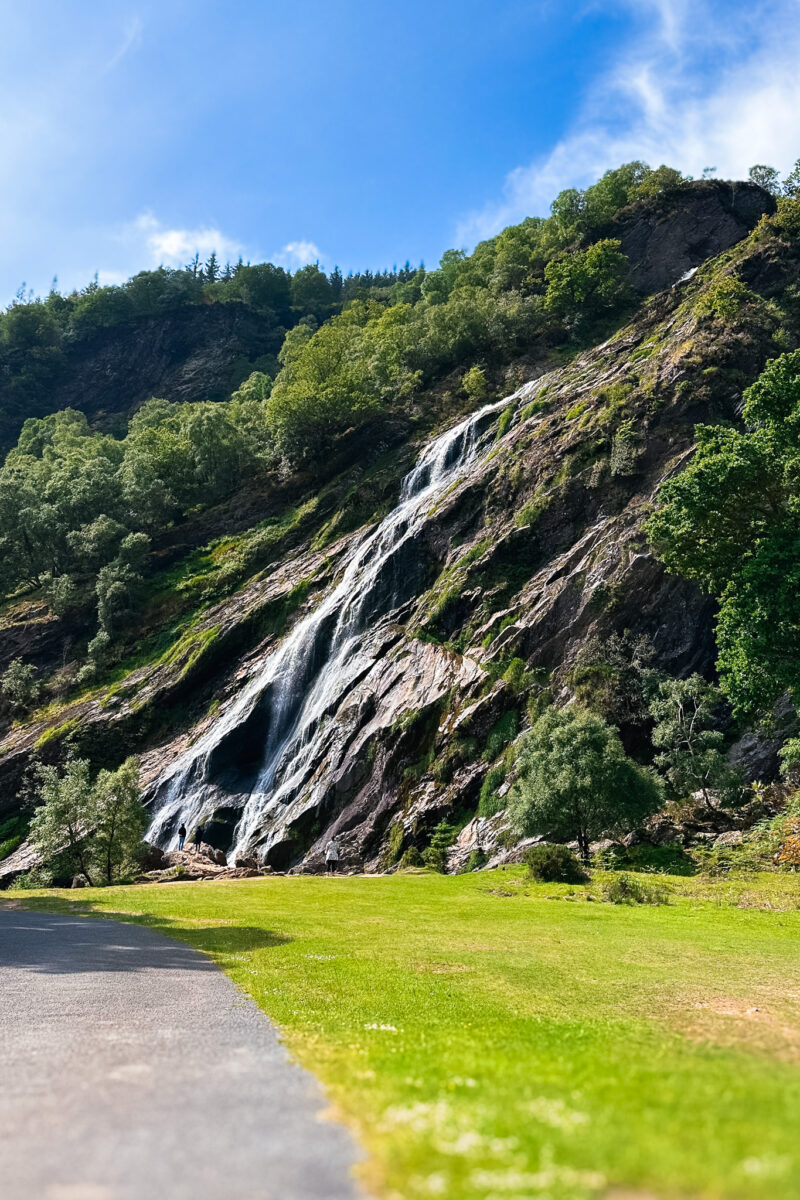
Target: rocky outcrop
[[195, 352], [677, 231]]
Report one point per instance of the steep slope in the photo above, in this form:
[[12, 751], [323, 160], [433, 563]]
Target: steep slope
[[368, 685]]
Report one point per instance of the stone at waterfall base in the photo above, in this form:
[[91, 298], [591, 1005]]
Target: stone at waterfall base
[[193, 865]]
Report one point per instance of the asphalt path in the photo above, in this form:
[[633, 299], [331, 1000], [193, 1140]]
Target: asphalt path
[[131, 1068]]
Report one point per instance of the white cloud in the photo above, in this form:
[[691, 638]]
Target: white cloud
[[131, 39], [694, 88], [297, 254], [175, 247]]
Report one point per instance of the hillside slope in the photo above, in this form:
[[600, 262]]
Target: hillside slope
[[369, 677]]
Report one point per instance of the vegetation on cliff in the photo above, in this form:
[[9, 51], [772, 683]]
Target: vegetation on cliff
[[147, 553]]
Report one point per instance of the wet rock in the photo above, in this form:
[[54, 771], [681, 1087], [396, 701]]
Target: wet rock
[[246, 862]]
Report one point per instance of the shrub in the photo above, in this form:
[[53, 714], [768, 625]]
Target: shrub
[[554, 864], [626, 889], [490, 803], [476, 860], [411, 858], [474, 384], [503, 732], [724, 300]]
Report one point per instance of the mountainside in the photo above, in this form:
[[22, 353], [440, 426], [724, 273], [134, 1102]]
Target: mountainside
[[385, 641]]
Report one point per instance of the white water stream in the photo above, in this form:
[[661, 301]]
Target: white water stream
[[261, 752]]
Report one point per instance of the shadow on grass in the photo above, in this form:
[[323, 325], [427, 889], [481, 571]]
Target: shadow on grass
[[52, 936]]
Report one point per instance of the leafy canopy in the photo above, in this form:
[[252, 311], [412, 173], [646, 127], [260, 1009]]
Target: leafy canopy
[[731, 521], [576, 781]]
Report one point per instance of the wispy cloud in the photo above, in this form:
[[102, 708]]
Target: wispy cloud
[[691, 89], [174, 247], [131, 38], [298, 254]]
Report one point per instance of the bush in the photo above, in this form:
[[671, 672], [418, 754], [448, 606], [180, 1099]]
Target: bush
[[554, 864], [476, 860], [490, 803], [411, 858], [725, 300], [625, 889]]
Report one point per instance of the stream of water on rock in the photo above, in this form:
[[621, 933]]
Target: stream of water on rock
[[260, 753]]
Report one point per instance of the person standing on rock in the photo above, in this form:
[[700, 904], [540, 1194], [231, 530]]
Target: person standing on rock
[[181, 837], [332, 856], [198, 837]]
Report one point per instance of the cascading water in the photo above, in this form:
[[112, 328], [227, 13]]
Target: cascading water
[[260, 754]]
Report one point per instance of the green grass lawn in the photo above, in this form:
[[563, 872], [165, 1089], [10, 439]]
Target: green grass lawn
[[489, 1037]]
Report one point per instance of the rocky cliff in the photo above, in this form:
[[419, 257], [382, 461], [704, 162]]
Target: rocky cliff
[[410, 651]]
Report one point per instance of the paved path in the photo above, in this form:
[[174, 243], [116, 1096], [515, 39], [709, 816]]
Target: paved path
[[132, 1069]]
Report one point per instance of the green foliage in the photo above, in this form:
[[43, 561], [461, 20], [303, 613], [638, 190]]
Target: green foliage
[[20, 685], [575, 780], [442, 838], [394, 844], [88, 827], [13, 832], [61, 826], [502, 732], [613, 677], [627, 889], [687, 734], [489, 802], [475, 385], [725, 299], [411, 858], [554, 864], [120, 820], [766, 177], [476, 860], [587, 282], [730, 521]]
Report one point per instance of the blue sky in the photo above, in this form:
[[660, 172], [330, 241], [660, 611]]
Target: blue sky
[[359, 133]]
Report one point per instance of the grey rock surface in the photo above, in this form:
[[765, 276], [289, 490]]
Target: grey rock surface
[[132, 1068]]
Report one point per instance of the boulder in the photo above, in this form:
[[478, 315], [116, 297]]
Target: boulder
[[734, 837]]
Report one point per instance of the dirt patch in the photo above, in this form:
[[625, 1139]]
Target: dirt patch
[[767, 1022]]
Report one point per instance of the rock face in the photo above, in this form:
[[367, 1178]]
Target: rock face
[[399, 682], [678, 231], [194, 353]]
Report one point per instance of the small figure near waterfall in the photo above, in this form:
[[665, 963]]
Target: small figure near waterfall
[[181, 837], [332, 856], [197, 839]]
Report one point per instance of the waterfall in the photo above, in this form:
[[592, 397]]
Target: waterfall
[[260, 753]]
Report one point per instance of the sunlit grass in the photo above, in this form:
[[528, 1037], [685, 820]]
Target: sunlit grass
[[490, 1037]]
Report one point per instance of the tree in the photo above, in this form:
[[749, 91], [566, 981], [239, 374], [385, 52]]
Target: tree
[[20, 685], [791, 184], [731, 521], [614, 677], [475, 385], [691, 758], [65, 818], [89, 827], [574, 780], [211, 271], [766, 177], [587, 281], [120, 819]]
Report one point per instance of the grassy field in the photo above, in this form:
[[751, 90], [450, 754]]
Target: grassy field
[[490, 1037]]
